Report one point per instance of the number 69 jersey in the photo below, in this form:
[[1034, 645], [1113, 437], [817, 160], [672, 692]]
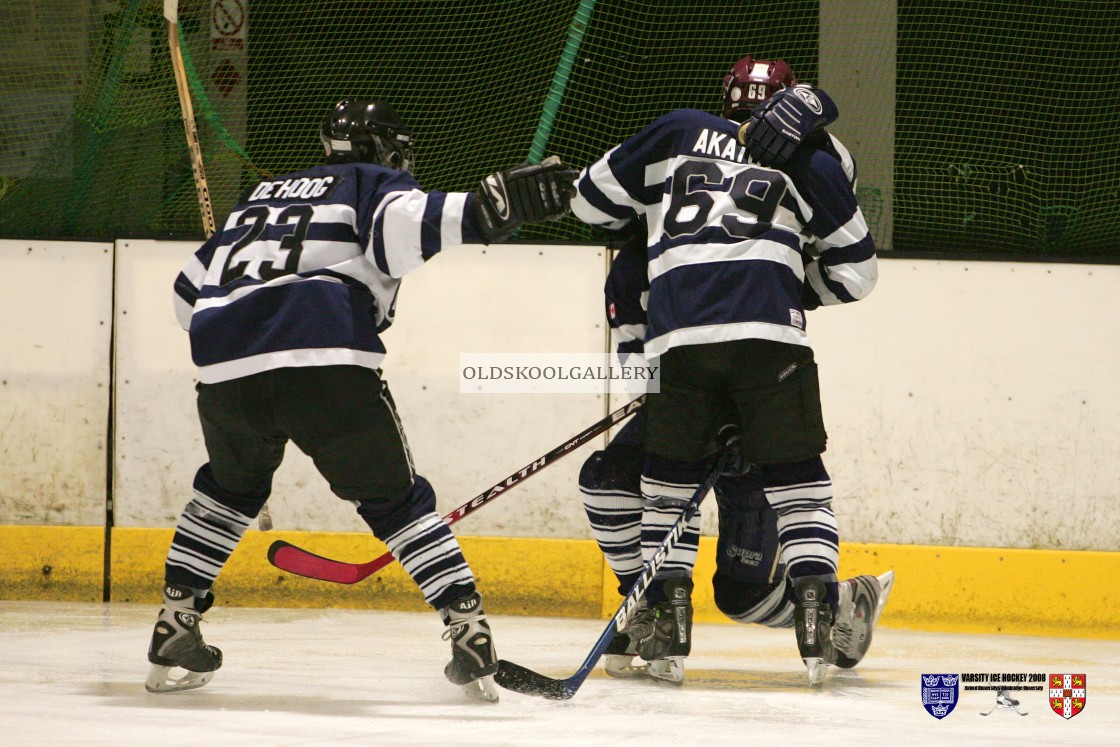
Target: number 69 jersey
[[306, 268], [731, 245]]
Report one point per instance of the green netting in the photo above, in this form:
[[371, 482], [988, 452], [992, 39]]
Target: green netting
[[1008, 127], [1004, 136], [472, 79]]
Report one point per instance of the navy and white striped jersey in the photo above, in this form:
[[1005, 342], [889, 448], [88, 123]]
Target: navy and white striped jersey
[[626, 293], [306, 268], [730, 244]]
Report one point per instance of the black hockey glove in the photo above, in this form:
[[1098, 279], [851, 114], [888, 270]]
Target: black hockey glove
[[528, 193], [779, 124]]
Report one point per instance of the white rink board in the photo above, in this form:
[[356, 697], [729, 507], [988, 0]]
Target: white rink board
[[967, 403], [976, 403], [55, 317], [158, 440], [469, 299]]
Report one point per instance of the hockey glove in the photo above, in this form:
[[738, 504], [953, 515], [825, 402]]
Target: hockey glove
[[779, 124], [731, 462], [528, 193]]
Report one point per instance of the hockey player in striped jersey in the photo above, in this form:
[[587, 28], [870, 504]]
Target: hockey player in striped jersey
[[284, 306], [749, 585], [740, 238]]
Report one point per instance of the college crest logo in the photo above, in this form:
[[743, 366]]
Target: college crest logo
[[939, 693], [1067, 694]]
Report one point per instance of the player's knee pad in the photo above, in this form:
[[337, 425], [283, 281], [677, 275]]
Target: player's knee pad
[[735, 597], [248, 503], [615, 469], [387, 517], [808, 471]]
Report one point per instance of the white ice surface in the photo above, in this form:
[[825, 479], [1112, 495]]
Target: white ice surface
[[73, 674]]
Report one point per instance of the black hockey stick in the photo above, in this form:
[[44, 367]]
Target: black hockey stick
[[288, 557], [519, 679]]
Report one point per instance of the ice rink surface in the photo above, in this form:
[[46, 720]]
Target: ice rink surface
[[73, 673]]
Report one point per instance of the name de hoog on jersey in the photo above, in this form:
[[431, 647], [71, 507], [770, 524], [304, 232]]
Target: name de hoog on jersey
[[303, 188]]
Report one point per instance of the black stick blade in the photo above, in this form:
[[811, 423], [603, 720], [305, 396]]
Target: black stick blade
[[521, 680]]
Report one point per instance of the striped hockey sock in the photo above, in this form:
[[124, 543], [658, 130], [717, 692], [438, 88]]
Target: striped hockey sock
[[802, 495], [616, 525], [205, 537], [775, 610], [663, 503], [430, 553]]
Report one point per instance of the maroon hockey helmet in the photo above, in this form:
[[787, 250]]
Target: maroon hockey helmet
[[750, 82]]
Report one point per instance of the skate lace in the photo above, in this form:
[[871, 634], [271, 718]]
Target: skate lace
[[844, 630], [843, 637], [454, 627], [199, 619]]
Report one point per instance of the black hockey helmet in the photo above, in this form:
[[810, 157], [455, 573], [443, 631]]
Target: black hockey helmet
[[366, 130], [750, 82]]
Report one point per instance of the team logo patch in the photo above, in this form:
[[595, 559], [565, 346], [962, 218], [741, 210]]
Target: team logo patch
[[939, 693], [806, 94], [1067, 694]]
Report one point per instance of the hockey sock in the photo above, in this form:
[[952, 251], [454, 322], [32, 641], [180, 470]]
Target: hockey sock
[[616, 525], [207, 534], [422, 543], [430, 554], [667, 486], [740, 602], [610, 481], [801, 493]]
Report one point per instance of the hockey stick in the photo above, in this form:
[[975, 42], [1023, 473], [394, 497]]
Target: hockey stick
[[519, 679], [194, 146], [288, 557], [171, 13]]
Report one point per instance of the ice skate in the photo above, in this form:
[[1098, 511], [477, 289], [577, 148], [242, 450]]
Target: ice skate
[[177, 644], [661, 635], [618, 661], [862, 600], [671, 641], [812, 622], [473, 658]]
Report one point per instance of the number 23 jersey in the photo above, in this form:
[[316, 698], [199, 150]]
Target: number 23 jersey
[[734, 250], [306, 268]]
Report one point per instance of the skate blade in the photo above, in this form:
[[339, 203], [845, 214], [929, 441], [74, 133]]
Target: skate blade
[[669, 669], [160, 679], [886, 583], [483, 689], [622, 667], [816, 667]]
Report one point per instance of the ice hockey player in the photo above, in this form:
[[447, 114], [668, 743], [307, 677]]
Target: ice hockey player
[[728, 215], [284, 306]]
